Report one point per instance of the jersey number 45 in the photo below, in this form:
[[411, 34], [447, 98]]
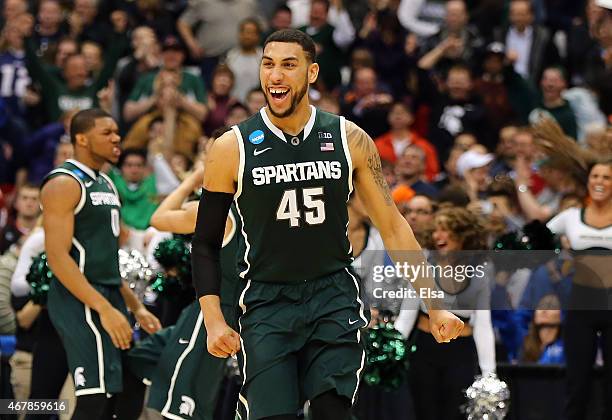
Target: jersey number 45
[[314, 212]]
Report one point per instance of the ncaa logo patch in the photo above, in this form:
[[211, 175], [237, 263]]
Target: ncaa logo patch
[[256, 137]]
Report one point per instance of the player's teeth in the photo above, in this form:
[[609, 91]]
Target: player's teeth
[[599, 188]]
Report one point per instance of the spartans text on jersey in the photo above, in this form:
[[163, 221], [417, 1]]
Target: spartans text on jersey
[[292, 172]]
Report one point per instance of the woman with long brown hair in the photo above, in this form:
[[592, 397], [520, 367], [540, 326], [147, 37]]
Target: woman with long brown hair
[[449, 369]]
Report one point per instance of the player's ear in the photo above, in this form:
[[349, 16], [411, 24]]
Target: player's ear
[[81, 140], [313, 72]]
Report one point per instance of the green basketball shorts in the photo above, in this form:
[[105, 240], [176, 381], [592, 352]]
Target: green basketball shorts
[[299, 341], [95, 363]]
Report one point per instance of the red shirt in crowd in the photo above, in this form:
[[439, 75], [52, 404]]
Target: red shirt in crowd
[[384, 144]]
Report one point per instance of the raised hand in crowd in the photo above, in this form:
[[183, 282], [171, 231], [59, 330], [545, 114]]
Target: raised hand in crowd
[[106, 95]]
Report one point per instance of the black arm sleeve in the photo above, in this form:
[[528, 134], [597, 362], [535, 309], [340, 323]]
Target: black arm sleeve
[[207, 241]]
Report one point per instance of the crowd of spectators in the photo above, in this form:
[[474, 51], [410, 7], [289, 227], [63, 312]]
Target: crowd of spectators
[[447, 90]]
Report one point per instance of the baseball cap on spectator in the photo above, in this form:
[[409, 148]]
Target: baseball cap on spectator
[[471, 160], [402, 194], [607, 4], [172, 42], [496, 48]]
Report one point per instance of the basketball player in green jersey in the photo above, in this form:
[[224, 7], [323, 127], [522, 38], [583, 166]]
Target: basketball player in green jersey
[[290, 170], [87, 300], [185, 378]]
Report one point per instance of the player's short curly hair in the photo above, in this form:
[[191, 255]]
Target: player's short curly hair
[[464, 226], [297, 37]]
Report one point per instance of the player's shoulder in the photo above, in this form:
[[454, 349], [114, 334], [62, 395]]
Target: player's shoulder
[[358, 139], [60, 188]]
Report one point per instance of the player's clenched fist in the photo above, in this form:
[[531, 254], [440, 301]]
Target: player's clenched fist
[[222, 341], [444, 326]]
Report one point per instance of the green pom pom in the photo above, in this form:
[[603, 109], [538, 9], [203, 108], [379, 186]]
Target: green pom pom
[[164, 284], [175, 255], [39, 277], [386, 357]]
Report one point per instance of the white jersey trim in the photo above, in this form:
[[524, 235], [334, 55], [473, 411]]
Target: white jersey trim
[[237, 196], [192, 342], [83, 198]]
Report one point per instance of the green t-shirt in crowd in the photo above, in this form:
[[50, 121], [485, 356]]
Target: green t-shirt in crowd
[[138, 201], [563, 114], [56, 96]]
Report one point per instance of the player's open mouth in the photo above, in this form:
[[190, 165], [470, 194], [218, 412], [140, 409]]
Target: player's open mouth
[[116, 151], [278, 94], [441, 244]]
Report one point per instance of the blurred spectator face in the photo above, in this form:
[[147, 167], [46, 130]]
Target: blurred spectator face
[[236, 115], [552, 84], [600, 183], [173, 58], [451, 163], [86, 9], [419, 212], [255, 101], [148, 5], [411, 163], [365, 82], [459, 83], [65, 49], [27, 202], [50, 14], [249, 36], [13, 8], [318, 14], [481, 176], [465, 141], [599, 141], [400, 117], [133, 168], [520, 16], [524, 146], [92, 53], [329, 104], [443, 238], [156, 130], [222, 84], [456, 15], [63, 152], [506, 145], [75, 71], [143, 36], [388, 170], [547, 323], [593, 12], [361, 57], [281, 20], [493, 64], [12, 36]]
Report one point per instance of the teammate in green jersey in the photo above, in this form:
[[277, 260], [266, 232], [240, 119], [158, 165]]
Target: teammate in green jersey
[[290, 170], [87, 300], [185, 378]]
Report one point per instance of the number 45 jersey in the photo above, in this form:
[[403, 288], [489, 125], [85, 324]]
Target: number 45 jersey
[[95, 241], [292, 198]]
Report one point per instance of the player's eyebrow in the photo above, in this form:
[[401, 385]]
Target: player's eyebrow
[[291, 58]]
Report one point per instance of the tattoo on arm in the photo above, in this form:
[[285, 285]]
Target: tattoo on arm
[[365, 145]]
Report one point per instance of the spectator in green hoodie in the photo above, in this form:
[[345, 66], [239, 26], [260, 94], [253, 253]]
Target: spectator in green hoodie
[[136, 189]]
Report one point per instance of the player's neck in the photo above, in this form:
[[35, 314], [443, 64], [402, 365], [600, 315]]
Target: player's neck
[[89, 161], [294, 123]]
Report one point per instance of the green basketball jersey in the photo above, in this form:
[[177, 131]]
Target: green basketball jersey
[[95, 242], [291, 199]]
